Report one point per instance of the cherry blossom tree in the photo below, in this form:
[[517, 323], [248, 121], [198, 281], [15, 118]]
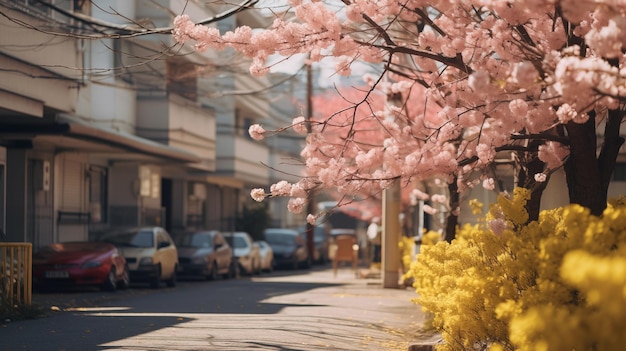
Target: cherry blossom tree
[[343, 105], [541, 80]]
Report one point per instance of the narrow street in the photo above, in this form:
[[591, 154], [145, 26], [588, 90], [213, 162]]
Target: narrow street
[[285, 310]]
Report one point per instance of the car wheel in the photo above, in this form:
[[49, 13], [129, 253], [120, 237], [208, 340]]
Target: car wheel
[[213, 275], [110, 284], [270, 269], [172, 281], [244, 271], [234, 270], [156, 281], [124, 283], [257, 268], [237, 270]]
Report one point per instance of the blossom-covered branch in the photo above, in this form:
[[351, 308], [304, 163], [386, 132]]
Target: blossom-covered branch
[[493, 76]]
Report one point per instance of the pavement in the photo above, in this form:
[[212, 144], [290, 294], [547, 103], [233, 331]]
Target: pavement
[[360, 312]]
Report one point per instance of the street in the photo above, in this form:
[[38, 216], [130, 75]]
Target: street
[[285, 310]]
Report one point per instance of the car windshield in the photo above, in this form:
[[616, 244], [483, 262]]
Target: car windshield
[[198, 240], [280, 238], [142, 238], [239, 242]]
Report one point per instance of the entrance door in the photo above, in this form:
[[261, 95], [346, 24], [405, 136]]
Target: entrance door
[[39, 227]]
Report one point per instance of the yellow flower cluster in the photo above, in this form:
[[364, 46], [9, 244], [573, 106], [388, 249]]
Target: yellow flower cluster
[[406, 246], [555, 284]]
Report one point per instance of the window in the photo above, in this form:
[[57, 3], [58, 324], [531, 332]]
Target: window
[[619, 173], [247, 123], [98, 194], [242, 124]]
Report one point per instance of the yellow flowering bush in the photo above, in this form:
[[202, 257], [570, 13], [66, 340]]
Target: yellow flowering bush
[[407, 247], [503, 284]]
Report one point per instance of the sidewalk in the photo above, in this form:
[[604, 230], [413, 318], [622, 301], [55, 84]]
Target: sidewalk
[[346, 312], [395, 308]]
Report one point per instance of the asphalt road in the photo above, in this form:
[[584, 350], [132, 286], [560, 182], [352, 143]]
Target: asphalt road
[[285, 311]]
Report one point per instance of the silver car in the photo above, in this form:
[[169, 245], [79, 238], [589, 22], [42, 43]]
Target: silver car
[[267, 256], [246, 252]]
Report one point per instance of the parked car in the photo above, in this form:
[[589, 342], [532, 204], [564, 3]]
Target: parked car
[[321, 241], [204, 254], [150, 253], [289, 247], [80, 264], [267, 256], [246, 252]]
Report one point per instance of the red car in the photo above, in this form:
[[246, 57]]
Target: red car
[[74, 264]]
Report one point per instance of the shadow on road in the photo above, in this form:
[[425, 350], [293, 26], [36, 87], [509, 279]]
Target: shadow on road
[[90, 320]]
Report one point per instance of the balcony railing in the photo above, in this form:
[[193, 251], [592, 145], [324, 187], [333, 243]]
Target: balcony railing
[[16, 273]]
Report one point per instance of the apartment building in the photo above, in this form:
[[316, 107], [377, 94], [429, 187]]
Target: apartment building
[[105, 126]]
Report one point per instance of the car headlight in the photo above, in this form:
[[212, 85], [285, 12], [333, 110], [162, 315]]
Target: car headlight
[[146, 261], [91, 264], [199, 260]]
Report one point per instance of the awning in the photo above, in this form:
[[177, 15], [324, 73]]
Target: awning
[[71, 133]]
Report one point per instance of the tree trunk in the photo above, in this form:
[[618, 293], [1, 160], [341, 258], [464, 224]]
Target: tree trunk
[[526, 179], [453, 219], [533, 206], [588, 175]]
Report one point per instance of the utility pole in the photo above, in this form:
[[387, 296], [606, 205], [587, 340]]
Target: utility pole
[[391, 223], [391, 236], [310, 243]]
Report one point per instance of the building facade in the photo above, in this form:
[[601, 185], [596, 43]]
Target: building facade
[[105, 122]]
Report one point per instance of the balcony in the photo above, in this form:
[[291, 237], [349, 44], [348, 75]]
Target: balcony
[[179, 123], [38, 69], [243, 159]]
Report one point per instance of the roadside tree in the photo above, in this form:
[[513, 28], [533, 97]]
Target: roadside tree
[[540, 79], [543, 81]]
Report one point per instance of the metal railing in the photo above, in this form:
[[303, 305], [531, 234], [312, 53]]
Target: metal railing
[[16, 273]]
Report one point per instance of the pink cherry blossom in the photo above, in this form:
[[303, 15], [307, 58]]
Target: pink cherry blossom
[[489, 184], [299, 125], [540, 177], [256, 132], [553, 154], [282, 188], [296, 204], [498, 226], [419, 194], [258, 194], [430, 210], [439, 198], [479, 78]]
